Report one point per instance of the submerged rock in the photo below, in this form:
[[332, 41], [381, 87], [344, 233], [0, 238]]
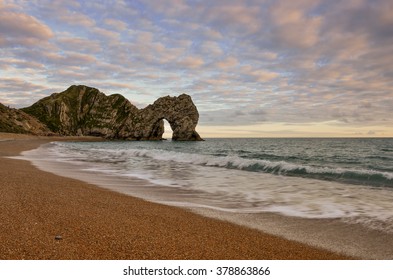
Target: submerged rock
[[82, 110]]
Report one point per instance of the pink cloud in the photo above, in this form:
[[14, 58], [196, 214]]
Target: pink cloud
[[237, 17], [292, 25], [229, 62], [70, 58], [80, 44], [19, 25], [191, 62], [258, 75], [116, 24], [75, 18]]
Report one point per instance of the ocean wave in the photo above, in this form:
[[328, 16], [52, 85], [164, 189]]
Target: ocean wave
[[284, 168], [211, 178]]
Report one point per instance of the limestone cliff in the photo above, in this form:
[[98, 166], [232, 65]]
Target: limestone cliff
[[82, 110], [180, 112], [16, 121]]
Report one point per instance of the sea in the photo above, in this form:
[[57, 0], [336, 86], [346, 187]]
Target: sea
[[345, 178]]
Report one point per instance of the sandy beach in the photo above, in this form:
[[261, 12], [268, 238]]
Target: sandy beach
[[44, 216]]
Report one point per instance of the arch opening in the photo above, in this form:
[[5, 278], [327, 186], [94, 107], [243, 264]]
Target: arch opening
[[168, 132]]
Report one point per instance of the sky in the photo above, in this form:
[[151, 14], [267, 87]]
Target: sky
[[254, 68]]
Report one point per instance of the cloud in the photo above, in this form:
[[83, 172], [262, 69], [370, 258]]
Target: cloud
[[104, 34], [257, 112], [211, 48], [121, 10], [12, 84], [66, 14], [368, 18], [75, 18], [191, 62], [285, 62], [19, 92], [212, 34], [235, 17], [70, 58], [259, 75], [293, 25], [168, 7], [228, 62], [263, 76], [116, 24], [20, 28], [72, 43], [20, 63]]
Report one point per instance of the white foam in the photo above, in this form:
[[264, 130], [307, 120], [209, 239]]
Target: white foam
[[280, 167], [231, 190]]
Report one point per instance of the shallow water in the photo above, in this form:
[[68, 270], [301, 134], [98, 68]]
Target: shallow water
[[346, 179]]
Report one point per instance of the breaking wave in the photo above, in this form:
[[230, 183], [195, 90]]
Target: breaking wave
[[346, 175]]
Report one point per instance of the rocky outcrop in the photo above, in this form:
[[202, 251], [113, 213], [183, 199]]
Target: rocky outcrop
[[16, 121], [180, 112], [82, 110]]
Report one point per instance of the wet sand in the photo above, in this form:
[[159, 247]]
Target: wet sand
[[45, 216]]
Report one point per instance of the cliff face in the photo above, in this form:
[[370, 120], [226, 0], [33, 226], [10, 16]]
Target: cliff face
[[82, 110], [16, 121], [180, 112]]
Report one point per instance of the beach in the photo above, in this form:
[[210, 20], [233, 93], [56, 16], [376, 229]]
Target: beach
[[45, 216]]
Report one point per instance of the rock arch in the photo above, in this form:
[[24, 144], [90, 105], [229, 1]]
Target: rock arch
[[82, 110], [181, 114]]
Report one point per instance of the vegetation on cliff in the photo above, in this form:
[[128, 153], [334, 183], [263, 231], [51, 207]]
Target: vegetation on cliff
[[16, 121], [82, 110]]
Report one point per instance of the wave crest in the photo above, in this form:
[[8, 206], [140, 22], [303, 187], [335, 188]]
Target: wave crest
[[354, 176]]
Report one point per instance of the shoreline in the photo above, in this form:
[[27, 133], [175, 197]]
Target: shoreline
[[333, 234], [96, 223]]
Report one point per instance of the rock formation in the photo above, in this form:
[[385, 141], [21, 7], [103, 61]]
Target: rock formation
[[180, 112], [16, 121], [82, 110]]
